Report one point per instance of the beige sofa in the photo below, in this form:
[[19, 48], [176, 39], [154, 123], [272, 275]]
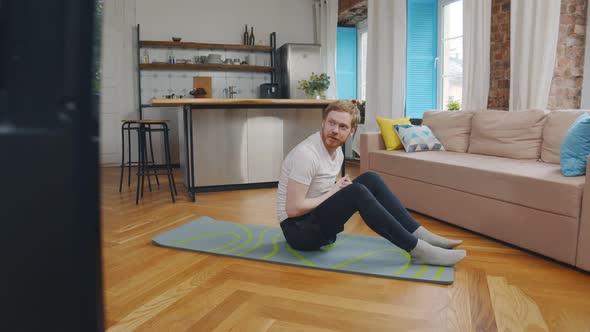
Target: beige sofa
[[499, 176]]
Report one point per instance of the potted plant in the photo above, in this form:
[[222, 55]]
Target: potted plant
[[454, 105], [316, 86]]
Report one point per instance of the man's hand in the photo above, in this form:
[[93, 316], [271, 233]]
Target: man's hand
[[341, 183], [297, 205]]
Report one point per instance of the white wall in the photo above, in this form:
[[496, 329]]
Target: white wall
[[118, 99], [222, 21]]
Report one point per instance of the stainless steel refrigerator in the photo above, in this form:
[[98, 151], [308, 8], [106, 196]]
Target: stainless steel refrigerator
[[296, 62]]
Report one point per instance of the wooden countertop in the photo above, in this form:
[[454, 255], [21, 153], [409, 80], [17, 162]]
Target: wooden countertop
[[240, 102]]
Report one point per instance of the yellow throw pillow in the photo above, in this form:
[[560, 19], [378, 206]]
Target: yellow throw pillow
[[390, 137]]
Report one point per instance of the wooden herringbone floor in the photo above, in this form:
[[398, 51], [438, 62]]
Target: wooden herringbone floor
[[148, 288]]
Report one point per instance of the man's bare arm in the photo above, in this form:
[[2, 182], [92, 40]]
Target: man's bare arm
[[297, 204]]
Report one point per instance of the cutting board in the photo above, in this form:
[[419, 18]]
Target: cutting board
[[203, 82]]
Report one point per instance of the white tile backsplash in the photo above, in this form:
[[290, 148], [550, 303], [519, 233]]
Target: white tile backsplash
[[243, 75], [218, 85], [218, 74], [157, 54], [146, 89], [232, 55], [159, 83], [181, 84], [261, 76]]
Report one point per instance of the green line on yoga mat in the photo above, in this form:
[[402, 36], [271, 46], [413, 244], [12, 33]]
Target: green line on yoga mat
[[260, 239], [439, 272], [334, 245], [405, 267], [301, 258], [421, 272], [248, 240], [357, 254], [275, 247], [235, 240], [350, 261]]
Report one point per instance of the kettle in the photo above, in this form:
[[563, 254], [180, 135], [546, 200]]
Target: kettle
[[269, 91]]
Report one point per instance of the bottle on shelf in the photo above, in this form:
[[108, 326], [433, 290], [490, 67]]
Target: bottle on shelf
[[170, 57], [146, 57], [246, 39], [251, 40]]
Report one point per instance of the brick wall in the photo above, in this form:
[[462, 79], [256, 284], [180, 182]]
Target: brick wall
[[344, 5], [500, 55], [566, 87]]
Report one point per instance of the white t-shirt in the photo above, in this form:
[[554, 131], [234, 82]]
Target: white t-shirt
[[308, 163]]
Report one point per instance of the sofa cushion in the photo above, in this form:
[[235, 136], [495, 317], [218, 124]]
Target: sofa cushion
[[529, 183], [390, 138], [417, 138], [451, 128], [507, 134], [557, 124]]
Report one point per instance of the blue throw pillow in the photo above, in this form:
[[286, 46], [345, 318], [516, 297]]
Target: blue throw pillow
[[575, 148], [417, 138]]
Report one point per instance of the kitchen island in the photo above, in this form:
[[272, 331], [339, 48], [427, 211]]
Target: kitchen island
[[229, 144]]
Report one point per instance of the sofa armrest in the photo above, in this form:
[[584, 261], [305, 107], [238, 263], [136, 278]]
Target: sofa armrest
[[371, 141], [583, 255]]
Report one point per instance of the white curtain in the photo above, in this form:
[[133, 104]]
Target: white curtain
[[386, 64], [477, 17], [534, 28], [326, 22]]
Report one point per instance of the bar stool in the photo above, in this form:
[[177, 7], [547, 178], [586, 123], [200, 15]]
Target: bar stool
[[129, 126], [145, 167]]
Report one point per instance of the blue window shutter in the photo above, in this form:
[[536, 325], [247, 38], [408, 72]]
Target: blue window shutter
[[346, 54], [421, 52]]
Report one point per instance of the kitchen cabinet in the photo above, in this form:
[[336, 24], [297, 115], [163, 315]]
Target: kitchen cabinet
[[229, 144]]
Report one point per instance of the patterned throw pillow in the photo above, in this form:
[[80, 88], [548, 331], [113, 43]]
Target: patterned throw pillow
[[417, 138]]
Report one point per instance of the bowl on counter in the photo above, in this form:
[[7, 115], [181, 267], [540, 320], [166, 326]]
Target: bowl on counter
[[176, 39]]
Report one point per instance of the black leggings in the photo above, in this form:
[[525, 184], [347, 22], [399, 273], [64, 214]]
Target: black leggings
[[381, 210]]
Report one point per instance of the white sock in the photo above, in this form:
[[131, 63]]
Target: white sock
[[438, 241], [425, 253]]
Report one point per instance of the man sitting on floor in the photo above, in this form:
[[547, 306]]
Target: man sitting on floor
[[313, 207]]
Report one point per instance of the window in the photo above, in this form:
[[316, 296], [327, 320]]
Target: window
[[362, 59], [451, 51], [421, 52]]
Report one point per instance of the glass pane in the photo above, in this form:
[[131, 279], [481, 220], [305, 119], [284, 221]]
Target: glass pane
[[453, 19], [452, 89], [453, 57]]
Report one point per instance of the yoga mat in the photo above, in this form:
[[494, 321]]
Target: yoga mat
[[367, 255]]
